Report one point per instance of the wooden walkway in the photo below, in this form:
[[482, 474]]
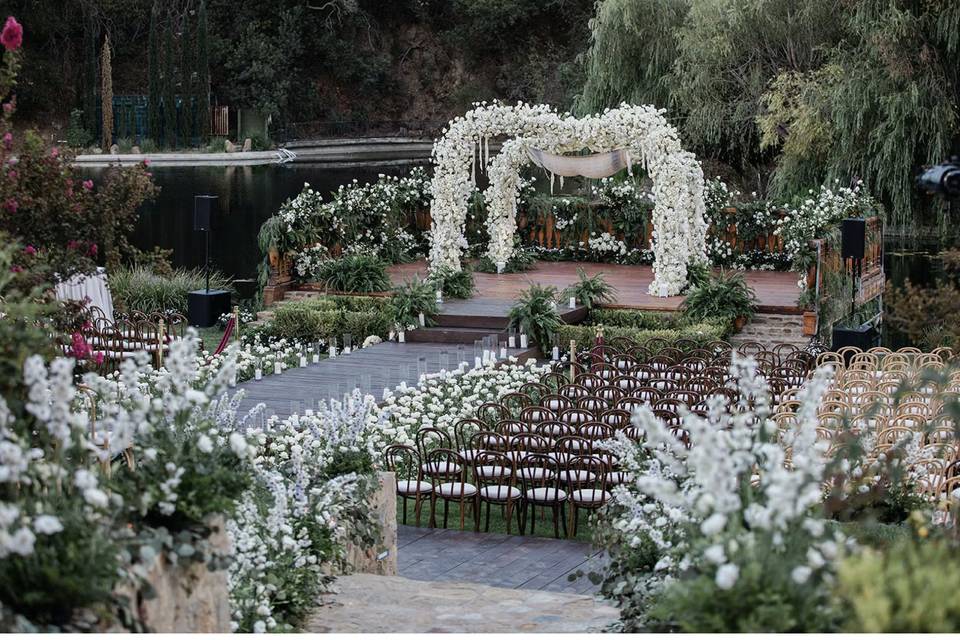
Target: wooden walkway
[[379, 367], [496, 559], [776, 291]]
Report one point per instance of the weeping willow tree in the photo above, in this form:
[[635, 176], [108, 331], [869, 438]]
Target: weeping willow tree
[[727, 53], [877, 110], [633, 47]]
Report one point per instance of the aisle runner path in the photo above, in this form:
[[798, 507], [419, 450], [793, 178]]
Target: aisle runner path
[[386, 364]]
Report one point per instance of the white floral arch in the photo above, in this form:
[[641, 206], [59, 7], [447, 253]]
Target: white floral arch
[[679, 229]]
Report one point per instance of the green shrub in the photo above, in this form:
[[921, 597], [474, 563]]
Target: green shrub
[[638, 319], [140, 289], [322, 318], [764, 599], [453, 284], [302, 323], [725, 295], [909, 588], [147, 145], [535, 314], [410, 300], [701, 333], [355, 274], [590, 291], [77, 136]]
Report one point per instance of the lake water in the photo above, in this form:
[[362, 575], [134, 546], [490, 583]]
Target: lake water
[[248, 196]]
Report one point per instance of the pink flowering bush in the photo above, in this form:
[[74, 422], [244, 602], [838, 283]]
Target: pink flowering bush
[[44, 201]]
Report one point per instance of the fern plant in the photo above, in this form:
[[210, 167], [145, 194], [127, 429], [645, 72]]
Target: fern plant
[[723, 296], [410, 300], [453, 284], [356, 274], [590, 292], [535, 314]]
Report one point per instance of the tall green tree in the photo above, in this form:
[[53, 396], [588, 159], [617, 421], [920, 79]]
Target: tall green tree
[[203, 74], [91, 79], [187, 62], [154, 104], [633, 47], [169, 87], [106, 93], [882, 105]]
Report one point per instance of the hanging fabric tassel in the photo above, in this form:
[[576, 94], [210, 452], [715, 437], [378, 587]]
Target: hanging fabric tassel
[[551, 183], [486, 146], [473, 165], [561, 183], [629, 164]]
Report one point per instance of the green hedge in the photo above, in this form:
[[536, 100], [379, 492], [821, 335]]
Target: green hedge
[[636, 319], [321, 318], [701, 333]]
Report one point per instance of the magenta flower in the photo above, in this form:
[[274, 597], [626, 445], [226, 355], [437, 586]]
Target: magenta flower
[[92, 251], [88, 185], [12, 174], [30, 250], [16, 268], [12, 36], [55, 152], [8, 107], [8, 140], [146, 162], [11, 205]]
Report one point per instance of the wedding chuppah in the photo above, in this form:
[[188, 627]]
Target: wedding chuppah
[[537, 133]]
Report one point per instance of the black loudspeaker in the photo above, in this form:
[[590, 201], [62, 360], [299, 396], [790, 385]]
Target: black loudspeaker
[[204, 211], [853, 238], [204, 308]]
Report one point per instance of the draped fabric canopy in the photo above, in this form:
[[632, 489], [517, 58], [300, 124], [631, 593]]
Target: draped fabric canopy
[[92, 287], [595, 165]]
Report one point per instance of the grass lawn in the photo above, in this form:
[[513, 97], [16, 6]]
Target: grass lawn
[[544, 525]]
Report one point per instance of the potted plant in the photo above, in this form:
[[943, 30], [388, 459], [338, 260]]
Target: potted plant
[[535, 314], [722, 295], [590, 292]]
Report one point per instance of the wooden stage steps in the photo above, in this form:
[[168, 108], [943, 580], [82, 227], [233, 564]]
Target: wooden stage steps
[[465, 321]]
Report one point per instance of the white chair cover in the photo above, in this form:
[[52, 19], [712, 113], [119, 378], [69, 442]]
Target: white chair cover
[[91, 287]]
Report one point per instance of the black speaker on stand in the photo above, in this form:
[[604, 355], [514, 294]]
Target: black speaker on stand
[[205, 306], [853, 244]]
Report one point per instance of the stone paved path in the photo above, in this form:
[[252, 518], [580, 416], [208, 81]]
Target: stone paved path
[[494, 559], [393, 604]]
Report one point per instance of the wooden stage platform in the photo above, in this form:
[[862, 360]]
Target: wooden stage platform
[[777, 291]]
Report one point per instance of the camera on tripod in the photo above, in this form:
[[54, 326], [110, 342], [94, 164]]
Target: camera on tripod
[[943, 178]]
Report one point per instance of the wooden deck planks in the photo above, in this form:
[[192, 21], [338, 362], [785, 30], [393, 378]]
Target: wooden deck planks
[[776, 291]]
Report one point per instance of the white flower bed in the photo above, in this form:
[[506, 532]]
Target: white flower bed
[[679, 227], [443, 399], [691, 502]]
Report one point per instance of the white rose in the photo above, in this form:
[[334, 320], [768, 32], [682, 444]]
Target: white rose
[[727, 576]]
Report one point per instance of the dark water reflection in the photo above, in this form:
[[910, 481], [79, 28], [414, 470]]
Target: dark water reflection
[[248, 196]]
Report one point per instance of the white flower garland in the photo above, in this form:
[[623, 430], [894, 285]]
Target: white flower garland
[[678, 214]]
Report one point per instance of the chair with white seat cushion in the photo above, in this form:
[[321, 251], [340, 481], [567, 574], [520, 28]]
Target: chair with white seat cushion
[[590, 492], [542, 487], [495, 475], [449, 485], [405, 464]]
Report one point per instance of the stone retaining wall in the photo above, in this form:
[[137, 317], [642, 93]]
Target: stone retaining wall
[[382, 559], [771, 329]]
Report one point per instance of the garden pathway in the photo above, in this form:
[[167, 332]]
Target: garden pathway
[[496, 559], [373, 369]]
